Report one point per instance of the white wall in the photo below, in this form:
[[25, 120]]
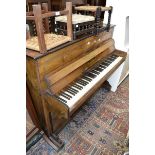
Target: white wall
[[120, 18], [120, 12]]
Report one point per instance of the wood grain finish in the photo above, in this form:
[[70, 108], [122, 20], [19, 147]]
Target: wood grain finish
[[56, 115], [29, 4], [46, 21], [54, 77], [52, 114], [61, 84], [69, 20], [39, 27], [64, 56], [33, 84]]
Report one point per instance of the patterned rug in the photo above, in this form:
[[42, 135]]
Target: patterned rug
[[100, 127]]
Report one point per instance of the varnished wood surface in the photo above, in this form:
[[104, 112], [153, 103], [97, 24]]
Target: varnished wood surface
[[32, 122], [52, 114], [29, 4], [64, 82], [62, 57], [56, 114], [59, 74], [82, 100], [39, 28]]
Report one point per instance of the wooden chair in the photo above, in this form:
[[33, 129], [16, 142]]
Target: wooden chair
[[45, 40], [29, 4]]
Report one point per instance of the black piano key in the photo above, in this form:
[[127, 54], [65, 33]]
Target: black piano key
[[74, 90], [90, 75], [86, 78], [78, 87], [112, 59], [65, 95], [114, 56], [106, 61], [102, 66], [99, 69], [71, 92], [63, 100], [109, 60], [60, 99], [68, 98], [85, 82], [81, 83], [94, 72], [105, 64]]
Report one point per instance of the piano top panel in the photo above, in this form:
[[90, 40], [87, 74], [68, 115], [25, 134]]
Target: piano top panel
[[36, 55]]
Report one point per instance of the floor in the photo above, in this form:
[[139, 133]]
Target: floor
[[100, 127]]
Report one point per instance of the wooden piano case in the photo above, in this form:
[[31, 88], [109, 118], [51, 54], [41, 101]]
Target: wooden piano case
[[33, 130], [40, 66], [50, 71], [58, 114]]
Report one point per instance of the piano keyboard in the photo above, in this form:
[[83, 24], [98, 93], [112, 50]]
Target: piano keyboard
[[80, 87]]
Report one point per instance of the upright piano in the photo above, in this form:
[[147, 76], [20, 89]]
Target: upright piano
[[62, 78]]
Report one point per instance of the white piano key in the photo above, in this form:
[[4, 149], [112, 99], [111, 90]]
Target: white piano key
[[89, 77], [69, 94], [63, 98], [80, 85], [72, 102], [85, 80], [74, 88]]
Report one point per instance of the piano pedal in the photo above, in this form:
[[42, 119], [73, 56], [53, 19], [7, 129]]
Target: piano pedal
[[54, 141], [106, 86]]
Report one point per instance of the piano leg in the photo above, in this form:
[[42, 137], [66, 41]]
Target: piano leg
[[54, 141]]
